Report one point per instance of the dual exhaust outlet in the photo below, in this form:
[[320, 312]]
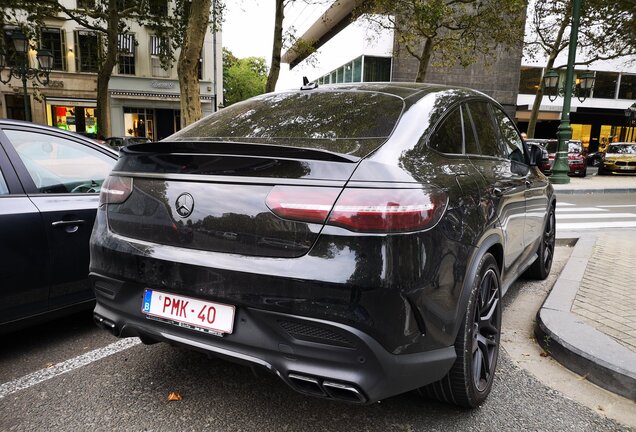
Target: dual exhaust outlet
[[324, 388]]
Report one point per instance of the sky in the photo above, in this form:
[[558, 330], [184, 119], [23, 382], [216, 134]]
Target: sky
[[248, 29]]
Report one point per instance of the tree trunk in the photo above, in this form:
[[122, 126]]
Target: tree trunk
[[188, 63], [424, 58], [106, 71], [277, 46], [538, 98]]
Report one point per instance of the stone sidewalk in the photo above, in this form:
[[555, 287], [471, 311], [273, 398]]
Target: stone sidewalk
[[606, 298], [588, 321]]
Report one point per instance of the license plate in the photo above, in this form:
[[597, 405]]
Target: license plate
[[189, 312], [626, 168]]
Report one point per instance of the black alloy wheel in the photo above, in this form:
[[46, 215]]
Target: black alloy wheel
[[540, 269], [469, 381]]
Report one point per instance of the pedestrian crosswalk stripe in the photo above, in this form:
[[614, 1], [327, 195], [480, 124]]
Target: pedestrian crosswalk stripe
[[596, 216], [595, 225], [580, 210]]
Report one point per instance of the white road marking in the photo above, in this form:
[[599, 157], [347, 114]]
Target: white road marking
[[580, 210], [594, 225], [42, 375], [618, 206], [596, 216]]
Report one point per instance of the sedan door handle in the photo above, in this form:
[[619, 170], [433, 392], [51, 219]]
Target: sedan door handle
[[69, 226], [497, 192], [528, 183], [67, 223]]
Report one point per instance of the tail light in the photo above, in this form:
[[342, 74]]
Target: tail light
[[115, 190], [360, 209]]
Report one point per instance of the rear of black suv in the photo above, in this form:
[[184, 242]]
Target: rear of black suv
[[273, 253]]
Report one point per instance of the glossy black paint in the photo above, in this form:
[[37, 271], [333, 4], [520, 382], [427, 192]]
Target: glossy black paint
[[407, 292], [43, 268]]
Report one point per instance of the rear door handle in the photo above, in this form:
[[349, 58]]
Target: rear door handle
[[70, 226], [528, 183], [497, 192]]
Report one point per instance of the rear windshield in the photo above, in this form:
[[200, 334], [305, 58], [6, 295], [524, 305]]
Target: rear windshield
[[345, 122], [622, 148]]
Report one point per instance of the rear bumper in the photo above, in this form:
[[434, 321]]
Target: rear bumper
[[315, 357]]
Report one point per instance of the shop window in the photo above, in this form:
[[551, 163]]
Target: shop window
[[605, 85], [139, 122], [86, 51], [377, 69], [74, 118], [530, 80], [53, 39], [348, 73], [628, 87], [155, 50], [357, 70], [126, 60]]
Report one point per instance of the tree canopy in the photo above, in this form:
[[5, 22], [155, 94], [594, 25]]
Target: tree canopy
[[606, 31], [452, 32], [242, 78]]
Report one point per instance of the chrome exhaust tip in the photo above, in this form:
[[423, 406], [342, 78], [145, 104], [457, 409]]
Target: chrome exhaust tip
[[305, 384], [343, 392]]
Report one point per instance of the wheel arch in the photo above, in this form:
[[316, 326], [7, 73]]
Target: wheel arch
[[492, 244]]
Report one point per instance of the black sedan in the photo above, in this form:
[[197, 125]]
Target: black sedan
[[49, 190], [353, 240]]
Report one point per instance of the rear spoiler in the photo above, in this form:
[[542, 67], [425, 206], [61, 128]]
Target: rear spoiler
[[235, 149]]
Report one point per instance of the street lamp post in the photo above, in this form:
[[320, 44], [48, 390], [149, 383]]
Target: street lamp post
[[22, 69], [560, 169]]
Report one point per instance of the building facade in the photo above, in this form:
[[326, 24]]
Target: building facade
[[144, 97]]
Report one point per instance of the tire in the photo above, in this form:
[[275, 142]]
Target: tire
[[584, 173], [540, 269], [470, 379], [601, 170]]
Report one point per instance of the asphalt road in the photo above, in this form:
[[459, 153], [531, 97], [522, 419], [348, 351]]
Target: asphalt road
[[129, 391]]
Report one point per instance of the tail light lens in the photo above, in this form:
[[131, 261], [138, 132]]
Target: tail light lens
[[306, 204], [361, 209], [115, 190]]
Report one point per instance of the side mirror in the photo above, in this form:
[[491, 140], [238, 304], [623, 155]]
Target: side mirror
[[536, 155]]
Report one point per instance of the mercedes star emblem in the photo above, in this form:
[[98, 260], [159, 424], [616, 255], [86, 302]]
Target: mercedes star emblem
[[184, 205]]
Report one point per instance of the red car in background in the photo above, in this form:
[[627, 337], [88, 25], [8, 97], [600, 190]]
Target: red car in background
[[577, 159]]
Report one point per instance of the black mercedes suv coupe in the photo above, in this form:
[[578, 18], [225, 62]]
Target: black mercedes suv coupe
[[355, 240]]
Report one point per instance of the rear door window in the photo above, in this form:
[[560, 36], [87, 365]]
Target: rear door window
[[448, 138], [487, 135]]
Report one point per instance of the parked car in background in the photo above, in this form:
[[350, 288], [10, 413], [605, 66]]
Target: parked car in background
[[620, 158], [119, 142], [49, 190], [595, 158], [544, 164], [577, 159], [373, 231]]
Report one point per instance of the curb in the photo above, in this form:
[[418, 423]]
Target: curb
[[577, 345]]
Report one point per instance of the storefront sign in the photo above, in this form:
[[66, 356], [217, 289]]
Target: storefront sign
[[162, 84]]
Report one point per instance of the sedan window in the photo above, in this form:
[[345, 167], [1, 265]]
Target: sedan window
[[4, 190], [59, 165]]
